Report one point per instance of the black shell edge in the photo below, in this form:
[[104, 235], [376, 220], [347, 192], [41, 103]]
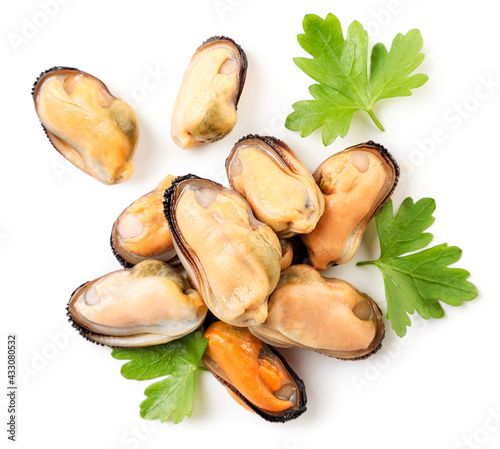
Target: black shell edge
[[124, 263], [168, 210], [272, 141], [52, 69], [168, 197], [33, 89], [66, 68], [244, 62], [87, 333], [293, 414], [83, 331], [391, 161]]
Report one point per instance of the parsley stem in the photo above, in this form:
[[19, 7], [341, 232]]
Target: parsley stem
[[367, 262], [372, 115]]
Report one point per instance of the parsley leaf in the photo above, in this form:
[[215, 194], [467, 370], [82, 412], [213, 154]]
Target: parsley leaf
[[418, 281], [341, 68], [179, 360]]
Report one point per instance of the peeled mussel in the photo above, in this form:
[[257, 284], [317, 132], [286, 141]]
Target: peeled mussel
[[141, 232], [356, 183], [145, 305], [278, 187], [256, 375], [95, 131], [322, 314], [231, 258], [205, 108]]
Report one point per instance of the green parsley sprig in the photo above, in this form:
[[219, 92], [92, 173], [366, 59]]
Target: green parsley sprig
[[178, 360], [340, 66], [417, 281]]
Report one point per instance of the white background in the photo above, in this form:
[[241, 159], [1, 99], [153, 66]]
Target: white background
[[436, 388]]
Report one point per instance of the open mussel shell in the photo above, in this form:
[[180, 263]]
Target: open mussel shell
[[326, 315], [278, 187], [205, 108], [95, 131], [255, 374], [356, 183], [231, 258], [145, 305], [141, 231]]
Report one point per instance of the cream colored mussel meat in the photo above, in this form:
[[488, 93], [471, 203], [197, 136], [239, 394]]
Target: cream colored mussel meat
[[205, 108], [145, 305], [278, 187], [141, 232], [356, 182], [322, 314], [232, 259], [91, 128]]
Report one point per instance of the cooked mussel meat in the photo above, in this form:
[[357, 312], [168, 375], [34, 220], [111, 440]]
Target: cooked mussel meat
[[255, 374], [292, 252], [205, 108], [232, 259], [145, 305], [278, 187], [322, 314], [141, 232], [95, 131], [356, 183]]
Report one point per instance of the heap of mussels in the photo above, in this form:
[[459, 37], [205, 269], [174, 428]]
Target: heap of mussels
[[243, 249]]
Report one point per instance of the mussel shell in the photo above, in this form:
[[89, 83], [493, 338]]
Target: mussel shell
[[325, 315], [242, 70], [276, 184], [146, 305], [38, 82], [354, 191], [107, 150], [275, 358], [154, 240], [243, 240], [206, 105]]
